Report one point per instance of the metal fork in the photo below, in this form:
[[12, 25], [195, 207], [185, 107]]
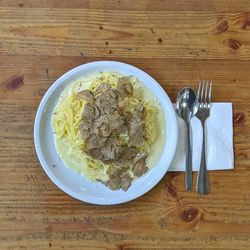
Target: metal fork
[[204, 105]]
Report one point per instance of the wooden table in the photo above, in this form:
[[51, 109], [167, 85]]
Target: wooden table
[[178, 43]]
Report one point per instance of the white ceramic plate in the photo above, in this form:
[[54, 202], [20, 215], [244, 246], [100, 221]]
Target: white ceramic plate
[[75, 184]]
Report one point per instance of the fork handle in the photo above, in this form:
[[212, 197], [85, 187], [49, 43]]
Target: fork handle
[[203, 186], [189, 169]]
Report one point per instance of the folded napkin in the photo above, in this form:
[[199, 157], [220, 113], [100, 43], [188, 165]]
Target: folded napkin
[[219, 143]]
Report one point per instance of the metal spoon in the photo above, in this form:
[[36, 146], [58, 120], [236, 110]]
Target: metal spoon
[[186, 106]]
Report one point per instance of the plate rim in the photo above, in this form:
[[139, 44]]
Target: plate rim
[[37, 143]]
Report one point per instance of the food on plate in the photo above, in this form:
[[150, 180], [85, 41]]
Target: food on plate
[[109, 127]]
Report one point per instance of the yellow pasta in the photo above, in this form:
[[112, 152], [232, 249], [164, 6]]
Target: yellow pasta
[[67, 117]]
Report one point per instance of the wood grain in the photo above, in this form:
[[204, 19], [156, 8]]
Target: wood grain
[[145, 5], [177, 43], [139, 33]]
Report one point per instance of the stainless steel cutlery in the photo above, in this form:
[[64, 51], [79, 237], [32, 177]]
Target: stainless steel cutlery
[[204, 105], [188, 105]]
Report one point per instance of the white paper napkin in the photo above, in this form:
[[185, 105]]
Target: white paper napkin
[[219, 134]]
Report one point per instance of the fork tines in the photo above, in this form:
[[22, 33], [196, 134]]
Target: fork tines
[[204, 92]]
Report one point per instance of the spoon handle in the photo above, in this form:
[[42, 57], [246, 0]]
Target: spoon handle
[[189, 169]]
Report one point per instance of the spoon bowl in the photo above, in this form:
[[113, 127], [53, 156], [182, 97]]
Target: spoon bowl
[[186, 104]]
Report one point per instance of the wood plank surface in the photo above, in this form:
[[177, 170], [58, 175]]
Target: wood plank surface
[[139, 33], [178, 43]]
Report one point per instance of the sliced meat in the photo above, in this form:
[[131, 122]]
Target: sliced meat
[[108, 97], [107, 102], [86, 95], [85, 128], [120, 163], [128, 88], [108, 109], [86, 124], [139, 168], [121, 91], [98, 103], [95, 141], [138, 113], [84, 133], [127, 117], [114, 172], [105, 130], [137, 141], [102, 88], [126, 157], [121, 102], [96, 153], [90, 111], [141, 157], [102, 119], [113, 135], [128, 153], [115, 120], [125, 181], [108, 123], [112, 93], [115, 183], [110, 150], [136, 133], [124, 87], [136, 127]]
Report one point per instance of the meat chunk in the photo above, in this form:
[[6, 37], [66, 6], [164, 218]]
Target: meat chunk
[[128, 153], [138, 113], [115, 120], [121, 102], [124, 87], [99, 104], [90, 111], [107, 102], [128, 88], [102, 119], [96, 153], [105, 130], [114, 172], [120, 163], [86, 95], [136, 133], [136, 127], [139, 168], [102, 88], [140, 157], [95, 141], [113, 134], [110, 150], [126, 157], [114, 184], [86, 124], [125, 181], [118, 179], [85, 128]]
